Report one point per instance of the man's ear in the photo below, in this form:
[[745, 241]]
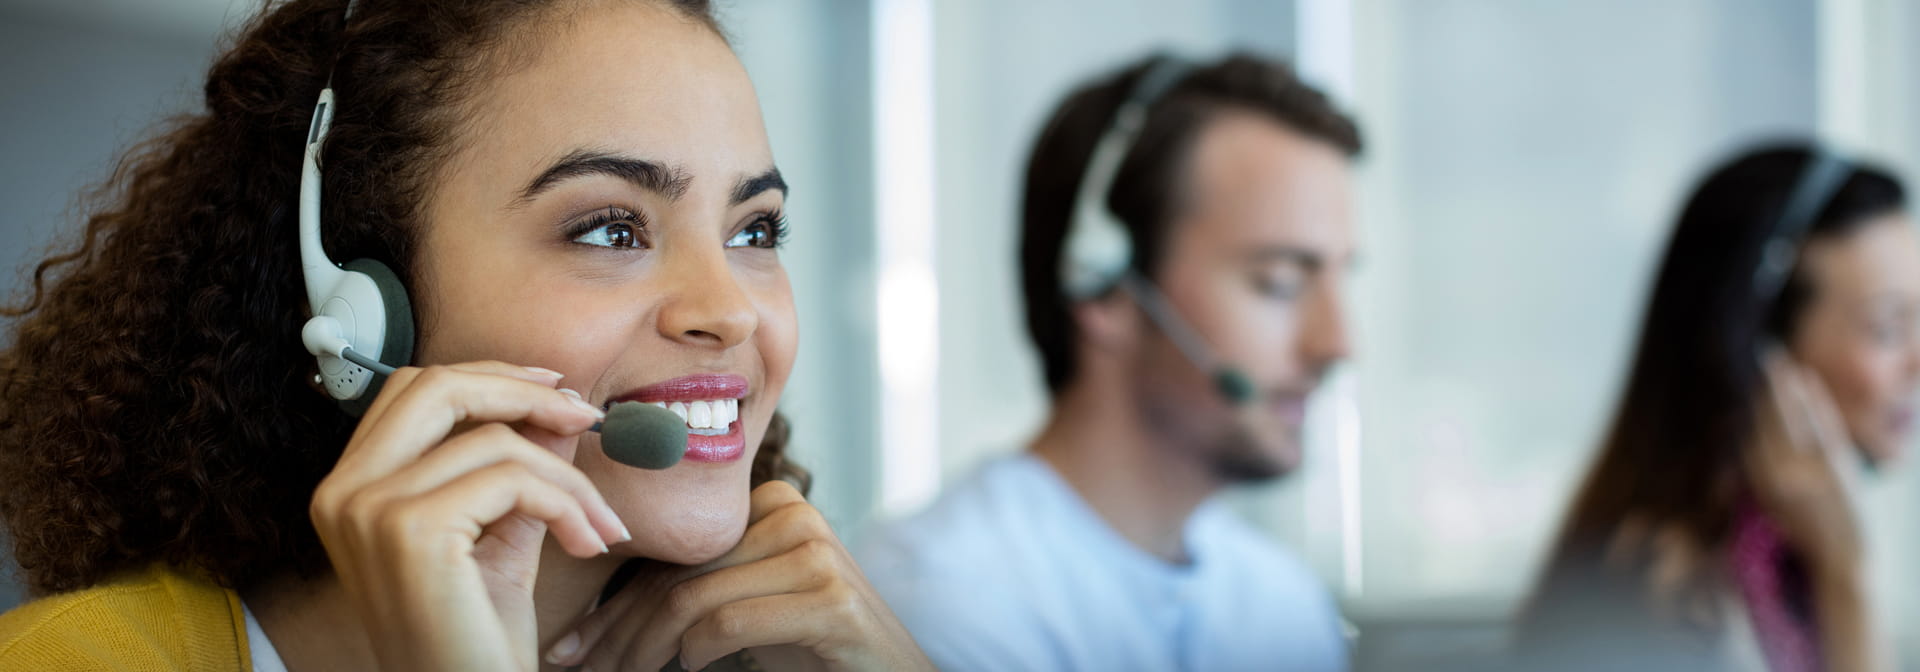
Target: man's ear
[[1109, 324]]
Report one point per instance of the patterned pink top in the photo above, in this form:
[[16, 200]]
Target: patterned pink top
[[1775, 592]]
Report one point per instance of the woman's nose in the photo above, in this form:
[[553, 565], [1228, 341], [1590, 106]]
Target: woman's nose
[[704, 304]]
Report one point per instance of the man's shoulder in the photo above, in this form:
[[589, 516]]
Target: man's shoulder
[[971, 529], [981, 515], [151, 619], [966, 575]]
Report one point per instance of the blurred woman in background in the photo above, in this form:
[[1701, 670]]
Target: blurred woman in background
[[1717, 527]]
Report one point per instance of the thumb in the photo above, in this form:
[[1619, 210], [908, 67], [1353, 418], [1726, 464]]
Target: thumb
[[617, 620]]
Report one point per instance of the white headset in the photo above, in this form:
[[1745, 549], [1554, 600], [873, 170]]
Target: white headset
[[1099, 251], [362, 323]]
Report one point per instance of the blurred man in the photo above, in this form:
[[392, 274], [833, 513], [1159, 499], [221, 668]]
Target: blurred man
[[1186, 235]]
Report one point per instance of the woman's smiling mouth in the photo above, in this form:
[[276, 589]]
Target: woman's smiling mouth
[[709, 404]]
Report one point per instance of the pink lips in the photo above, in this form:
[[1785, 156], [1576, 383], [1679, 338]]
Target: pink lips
[[690, 388], [1291, 408], [723, 448]]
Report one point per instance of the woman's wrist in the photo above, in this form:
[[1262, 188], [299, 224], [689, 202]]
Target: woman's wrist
[[1845, 612], [1841, 577]]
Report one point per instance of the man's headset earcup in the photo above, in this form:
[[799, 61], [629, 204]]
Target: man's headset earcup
[[397, 350]]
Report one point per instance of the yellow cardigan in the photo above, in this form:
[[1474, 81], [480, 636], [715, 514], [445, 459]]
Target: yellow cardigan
[[158, 619]]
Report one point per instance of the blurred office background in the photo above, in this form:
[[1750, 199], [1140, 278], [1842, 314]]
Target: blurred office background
[[1525, 160]]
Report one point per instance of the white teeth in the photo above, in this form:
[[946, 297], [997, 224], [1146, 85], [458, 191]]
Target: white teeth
[[716, 414]]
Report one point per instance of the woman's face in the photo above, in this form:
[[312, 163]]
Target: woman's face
[[1861, 331], [609, 212]]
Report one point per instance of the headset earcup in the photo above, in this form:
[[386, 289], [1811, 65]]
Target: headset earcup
[[397, 350]]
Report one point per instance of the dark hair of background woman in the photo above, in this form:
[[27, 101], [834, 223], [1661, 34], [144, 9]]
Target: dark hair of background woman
[[1671, 462], [156, 403]]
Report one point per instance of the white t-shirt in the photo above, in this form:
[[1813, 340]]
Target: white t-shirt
[[1011, 570], [265, 658]]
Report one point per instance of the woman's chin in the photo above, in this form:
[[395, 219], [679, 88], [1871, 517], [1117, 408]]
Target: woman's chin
[[1880, 447], [681, 552], [1882, 454], [690, 537]]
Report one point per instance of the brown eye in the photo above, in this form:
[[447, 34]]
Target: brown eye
[[768, 232], [614, 228], [620, 235]]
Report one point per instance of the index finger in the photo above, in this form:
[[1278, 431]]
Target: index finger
[[420, 416], [1806, 409], [1822, 414], [404, 377], [779, 520], [769, 497], [1785, 406]]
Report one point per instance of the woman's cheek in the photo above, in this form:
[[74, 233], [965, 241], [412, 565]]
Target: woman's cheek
[[1864, 387]]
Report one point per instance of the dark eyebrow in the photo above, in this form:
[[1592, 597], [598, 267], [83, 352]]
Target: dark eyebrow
[[749, 187], [651, 176]]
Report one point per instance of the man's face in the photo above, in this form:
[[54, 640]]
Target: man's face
[[1256, 261]]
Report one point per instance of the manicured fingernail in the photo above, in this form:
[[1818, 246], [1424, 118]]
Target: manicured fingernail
[[624, 534], [564, 649], [550, 373], [582, 403]]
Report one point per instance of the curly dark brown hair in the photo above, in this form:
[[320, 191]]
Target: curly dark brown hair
[[155, 405]]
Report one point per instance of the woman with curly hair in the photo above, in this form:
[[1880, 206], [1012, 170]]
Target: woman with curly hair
[[579, 199]]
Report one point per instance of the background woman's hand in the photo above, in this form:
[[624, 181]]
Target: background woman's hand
[[1799, 469], [789, 592], [435, 514], [1800, 474]]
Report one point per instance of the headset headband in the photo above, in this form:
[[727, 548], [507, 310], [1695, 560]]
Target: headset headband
[[1098, 250], [1812, 192]]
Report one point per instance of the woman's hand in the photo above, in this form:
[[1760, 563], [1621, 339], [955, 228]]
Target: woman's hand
[[1798, 467], [789, 592], [435, 515], [1800, 474]]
